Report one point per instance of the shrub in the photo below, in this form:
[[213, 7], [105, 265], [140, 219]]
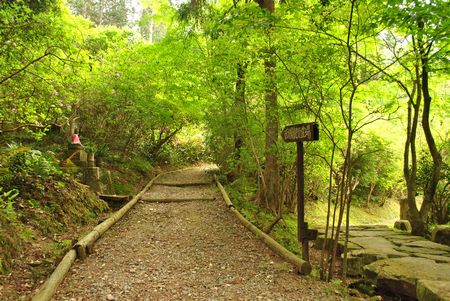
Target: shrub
[[34, 163]]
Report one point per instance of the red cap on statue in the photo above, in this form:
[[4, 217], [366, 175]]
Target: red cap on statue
[[75, 139]]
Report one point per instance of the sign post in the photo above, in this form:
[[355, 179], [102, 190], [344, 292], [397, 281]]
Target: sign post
[[299, 133]]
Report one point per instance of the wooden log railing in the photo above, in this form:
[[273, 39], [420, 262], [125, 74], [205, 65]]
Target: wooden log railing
[[84, 247], [302, 267]]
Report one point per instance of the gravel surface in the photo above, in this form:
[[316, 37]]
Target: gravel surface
[[186, 251], [161, 192]]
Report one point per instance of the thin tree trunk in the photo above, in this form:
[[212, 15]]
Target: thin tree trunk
[[369, 196], [271, 136], [410, 168], [330, 187], [101, 8], [431, 187], [271, 174], [85, 8], [239, 103], [346, 193], [151, 28]]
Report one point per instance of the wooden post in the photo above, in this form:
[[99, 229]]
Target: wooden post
[[302, 227], [299, 133]]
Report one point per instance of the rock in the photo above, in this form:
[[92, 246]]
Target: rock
[[369, 227], [375, 298], [354, 267], [403, 225], [436, 258], [399, 275], [419, 250], [400, 238], [428, 290], [441, 234], [373, 249], [428, 244], [110, 297], [368, 256], [378, 246], [366, 233]]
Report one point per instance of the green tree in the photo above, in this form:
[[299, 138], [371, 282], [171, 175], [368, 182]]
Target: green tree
[[40, 64], [103, 12], [417, 39]]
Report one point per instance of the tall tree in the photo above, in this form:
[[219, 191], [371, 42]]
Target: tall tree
[[41, 63], [102, 12], [270, 194], [423, 28]]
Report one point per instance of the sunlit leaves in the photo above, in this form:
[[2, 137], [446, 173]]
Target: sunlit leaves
[[40, 64]]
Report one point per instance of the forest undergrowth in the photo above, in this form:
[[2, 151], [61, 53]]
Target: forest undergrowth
[[285, 230]]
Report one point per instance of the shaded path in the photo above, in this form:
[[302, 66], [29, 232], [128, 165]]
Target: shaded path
[[186, 251]]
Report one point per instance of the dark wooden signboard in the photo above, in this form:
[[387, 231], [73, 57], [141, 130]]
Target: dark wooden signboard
[[300, 133]]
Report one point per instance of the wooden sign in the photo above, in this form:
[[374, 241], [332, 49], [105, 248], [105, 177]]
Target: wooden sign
[[301, 132]]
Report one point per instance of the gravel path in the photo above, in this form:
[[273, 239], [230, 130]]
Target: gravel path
[[193, 250]]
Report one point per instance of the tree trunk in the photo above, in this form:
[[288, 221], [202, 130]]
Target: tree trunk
[[431, 187], [239, 103], [410, 166], [151, 27], [369, 196], [101, 11], [271, 136], [330, 192], [85, 8], [272, 174]]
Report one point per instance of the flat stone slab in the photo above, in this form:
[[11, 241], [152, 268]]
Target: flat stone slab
[[399, 275], [428, 244], [436, 258], [413, 250], [368, 228], [428, 290], [365, 233], [378, 245], [402, 239]]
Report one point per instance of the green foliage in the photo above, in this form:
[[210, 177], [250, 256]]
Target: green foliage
[[39, 62], [34, 163], [89, 147], [196, 92], [375, 168], [7, 203], [140, 165], [105, 12]]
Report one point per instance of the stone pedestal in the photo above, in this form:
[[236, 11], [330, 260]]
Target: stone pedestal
[[90, 160], [83, 158], [441, 234], [403, 225], [92, 178], [76, 154], [106, 181]]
